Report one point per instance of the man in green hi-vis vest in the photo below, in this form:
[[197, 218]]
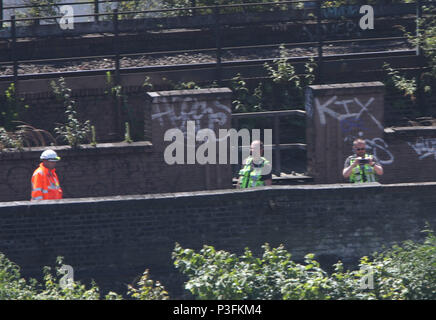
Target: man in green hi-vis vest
[[361, 167], [257, 169]]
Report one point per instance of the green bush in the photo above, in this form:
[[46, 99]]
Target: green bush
[[283, 89], [14, 287], [74, 132], [10, 139], [148, 289], [401, 273], [11, 108], [398, 82], [49, 8], [423, 85], [221, 275]]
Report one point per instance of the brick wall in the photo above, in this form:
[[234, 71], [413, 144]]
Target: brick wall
[[336, 115], [114, 239], [137, 168], [204, 108], [109, 169], [92, 103], [339, 113], [413, 154]]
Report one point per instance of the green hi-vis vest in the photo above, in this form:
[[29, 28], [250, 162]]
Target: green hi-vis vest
[[252, 174], [366, 175]]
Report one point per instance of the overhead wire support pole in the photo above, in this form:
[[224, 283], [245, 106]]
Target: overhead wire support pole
[[1, 14], [96, 11], [116, 47], [418, 31], [13, 49], [419, 99], [218, 44], [193, 5], [118, 121], [319, 39], [276, 125]]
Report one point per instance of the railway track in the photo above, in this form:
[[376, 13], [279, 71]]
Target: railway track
[[404, 58], [213, 47]]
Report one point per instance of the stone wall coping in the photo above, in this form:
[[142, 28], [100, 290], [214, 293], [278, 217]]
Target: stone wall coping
[[347, 85], [67, 151], [348, 88], [208, 93], [198, 195], [414, 129]]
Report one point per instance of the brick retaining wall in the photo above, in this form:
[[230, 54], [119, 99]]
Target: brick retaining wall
[[114, 239]]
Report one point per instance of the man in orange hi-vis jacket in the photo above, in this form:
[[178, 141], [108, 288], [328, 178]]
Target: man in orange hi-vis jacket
[[45, 182]]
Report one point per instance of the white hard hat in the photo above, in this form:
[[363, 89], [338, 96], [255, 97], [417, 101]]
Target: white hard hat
[[49, 155]]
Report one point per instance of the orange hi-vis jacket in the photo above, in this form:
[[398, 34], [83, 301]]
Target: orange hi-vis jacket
[[45, 184]]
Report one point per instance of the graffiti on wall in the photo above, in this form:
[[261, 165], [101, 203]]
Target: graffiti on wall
[[215, 113], [424, 147], [350, 125], [377, 147], [349, 113], [326, 108]]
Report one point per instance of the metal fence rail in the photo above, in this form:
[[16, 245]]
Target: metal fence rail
[[215, 24], [277, 147]]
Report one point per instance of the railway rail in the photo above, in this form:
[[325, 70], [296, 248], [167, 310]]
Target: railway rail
[[374, 60], [220, 61]]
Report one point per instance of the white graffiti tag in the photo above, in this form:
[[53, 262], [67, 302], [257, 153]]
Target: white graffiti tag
[[192, 110], [324, 109], [424, 147], [378, 148]]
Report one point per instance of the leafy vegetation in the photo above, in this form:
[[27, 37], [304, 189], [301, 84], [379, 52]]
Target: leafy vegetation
[[140, 5], [14, 287], [111, 88], [12, 107], [418, 90], [402, 272], [10, 139], [131, 9], [121, 100], [283, 89], [337, 3], [37, 9], [127, 137], [148, 289], [133, 6], [398, 81], [93, 137], [15, 133], [426, 39], [74, 132]]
